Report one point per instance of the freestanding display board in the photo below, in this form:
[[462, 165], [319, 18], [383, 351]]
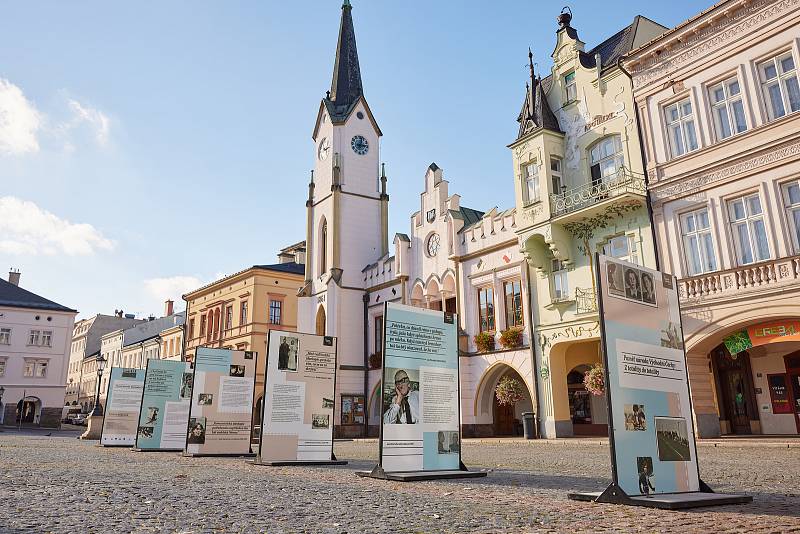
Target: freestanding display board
[[299, 398], [221, 411], [651, 430], [165, 406], [123, 399], [420, 401]]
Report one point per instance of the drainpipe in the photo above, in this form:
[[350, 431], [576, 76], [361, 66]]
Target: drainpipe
[[537, 403], [365, 299], [648, 201]]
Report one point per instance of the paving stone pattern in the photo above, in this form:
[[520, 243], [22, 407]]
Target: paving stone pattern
[[59, 484]]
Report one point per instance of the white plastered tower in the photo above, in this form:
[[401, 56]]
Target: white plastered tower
[[346, 214]]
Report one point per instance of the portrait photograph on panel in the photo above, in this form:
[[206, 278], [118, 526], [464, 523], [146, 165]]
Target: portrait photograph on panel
[[401, 397], [197, 430], [287, 353]]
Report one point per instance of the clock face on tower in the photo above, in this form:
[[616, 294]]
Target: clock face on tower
[[433, 244], [359, 145], [324, 149]]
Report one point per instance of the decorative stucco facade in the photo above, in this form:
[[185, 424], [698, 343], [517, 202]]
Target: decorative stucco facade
[[580, 189], [718, 99]]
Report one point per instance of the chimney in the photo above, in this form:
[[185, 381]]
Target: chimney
[[169, 308], [13, 276]]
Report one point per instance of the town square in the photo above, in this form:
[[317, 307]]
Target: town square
[[212, 323]]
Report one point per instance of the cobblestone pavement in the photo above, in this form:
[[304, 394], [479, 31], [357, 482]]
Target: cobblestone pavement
[[59, 484]]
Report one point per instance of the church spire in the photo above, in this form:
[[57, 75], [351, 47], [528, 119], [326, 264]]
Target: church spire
[[346, 84]]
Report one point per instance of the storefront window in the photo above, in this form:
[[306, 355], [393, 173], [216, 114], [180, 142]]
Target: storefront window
[[352, 409]]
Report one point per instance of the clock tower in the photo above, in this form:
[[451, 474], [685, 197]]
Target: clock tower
[[347, 209]]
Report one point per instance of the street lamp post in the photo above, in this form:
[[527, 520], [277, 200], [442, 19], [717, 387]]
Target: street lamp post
[[101, 365]]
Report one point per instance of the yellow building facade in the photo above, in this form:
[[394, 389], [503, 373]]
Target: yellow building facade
[[237, 312]]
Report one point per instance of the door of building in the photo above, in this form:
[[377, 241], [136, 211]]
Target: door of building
[[736, 388], [793, 375], [503, 419]]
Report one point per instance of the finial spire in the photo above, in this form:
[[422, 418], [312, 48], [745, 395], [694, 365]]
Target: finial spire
[[530, 63], [346, 84]]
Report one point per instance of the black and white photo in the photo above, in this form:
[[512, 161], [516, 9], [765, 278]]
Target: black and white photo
[[287, 353]]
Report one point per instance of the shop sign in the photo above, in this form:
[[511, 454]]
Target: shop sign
[[763, 334]]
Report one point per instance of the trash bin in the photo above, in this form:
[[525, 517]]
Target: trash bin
[[528, 425]]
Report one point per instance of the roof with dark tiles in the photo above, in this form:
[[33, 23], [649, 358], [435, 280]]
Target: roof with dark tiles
[[14, 296]]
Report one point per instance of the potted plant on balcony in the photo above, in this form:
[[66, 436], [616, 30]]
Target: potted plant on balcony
[[509, 391], [511, 338], [375, 360], [484, 341], [595, 380]]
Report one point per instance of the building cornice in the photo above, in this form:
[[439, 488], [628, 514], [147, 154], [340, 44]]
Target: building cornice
[[682, 185], [706, 34]]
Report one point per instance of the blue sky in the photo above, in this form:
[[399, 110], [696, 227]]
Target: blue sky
[[149, 147]]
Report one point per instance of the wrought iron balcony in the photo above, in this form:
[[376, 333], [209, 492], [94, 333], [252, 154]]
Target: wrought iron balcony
[[624, 182], [585, 300]]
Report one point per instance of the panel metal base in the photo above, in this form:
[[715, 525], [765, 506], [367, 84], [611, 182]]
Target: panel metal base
[[281, 463], [220, 455], [412, 476], [668, 501], [134, 449]]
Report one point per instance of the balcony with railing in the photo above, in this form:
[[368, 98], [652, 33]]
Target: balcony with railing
[[585, 300], [623, 186], [758, 277]]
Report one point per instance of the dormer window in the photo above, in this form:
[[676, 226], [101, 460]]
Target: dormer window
[[570, 89]]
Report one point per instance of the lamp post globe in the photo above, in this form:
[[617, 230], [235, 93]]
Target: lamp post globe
[[101, 365]]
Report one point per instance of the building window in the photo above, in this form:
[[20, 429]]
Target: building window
[[378, 334], [560, 281], [47, 338], [33, 337], [486, 309], [228, 317], [35, 368], [727, 108], [243, 313], [352, 409], [323, 249], [513, 297], [622, 247], [680, 126], [3, 367], [779, 85], [191, 328], [698, 243], [606, 158], [202, 325], [5, 336], [531, 182], [749, 232], [555, 172], [791, 195], [570, 88], [275, 307]]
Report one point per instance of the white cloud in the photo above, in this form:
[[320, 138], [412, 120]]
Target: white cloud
[[96, 119], [172, 287], [28, 229], [20, 121]]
